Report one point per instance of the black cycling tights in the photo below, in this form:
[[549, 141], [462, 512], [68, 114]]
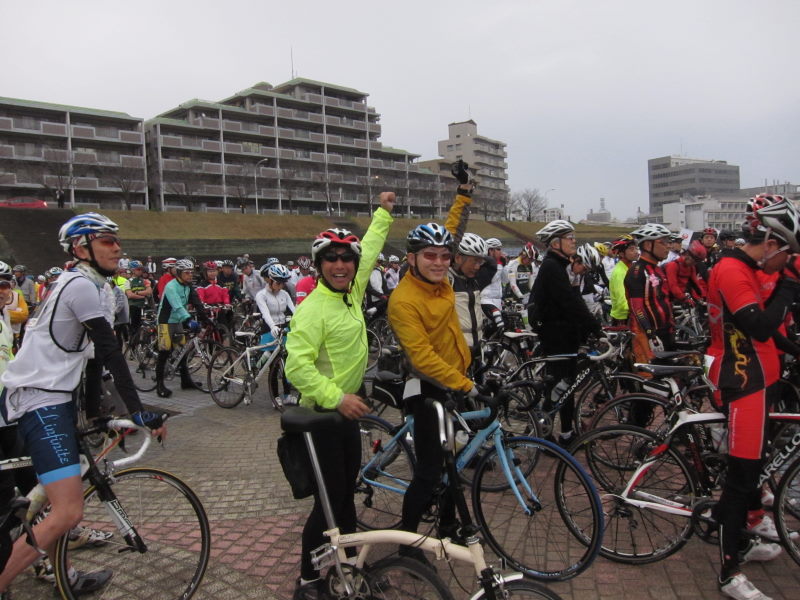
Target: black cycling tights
[[740, 495], [339, 453], [427, 472]]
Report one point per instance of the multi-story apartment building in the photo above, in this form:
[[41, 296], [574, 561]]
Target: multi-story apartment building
[[672, 177], [93, 157], [302, 147], [487, 157]]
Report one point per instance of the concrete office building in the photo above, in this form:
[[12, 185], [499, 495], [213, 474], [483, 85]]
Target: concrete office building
[[487, 157], [302, 147], [94, 157], [672, 177]]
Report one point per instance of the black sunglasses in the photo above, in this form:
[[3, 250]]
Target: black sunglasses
[[332, 257]]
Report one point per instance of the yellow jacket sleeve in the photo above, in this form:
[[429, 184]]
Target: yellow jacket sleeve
[[458, 216], [20, 313]]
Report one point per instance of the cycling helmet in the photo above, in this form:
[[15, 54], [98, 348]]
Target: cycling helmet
[[53, 272], [781, 220], [209, 264], [227, 263], [622, 242], [20, 268], [273, 261], [5, 269], [493, 244], [184, 264], [697, 251], [428, 235], [472, 245], [135, 264], [738, 242], [710, 231], [79, 230], [589, 256], [278, 273], [381, 257], [218, 263], [336, 237], [602, 248], [168, 262], [304, 262], [725, 235], [675, 237], [554, 229], [649, 232], [530, 251], [40, 279], [394, 258]]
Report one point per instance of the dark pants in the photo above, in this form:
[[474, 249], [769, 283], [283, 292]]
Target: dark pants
[[339, 453], [427, 472]]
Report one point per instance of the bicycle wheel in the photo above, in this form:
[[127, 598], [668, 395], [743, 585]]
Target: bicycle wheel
[[591, 396], [380, 489], [174, 531], [517, 413], [144, 354], [402, 578], [641, 410], [198, 360], [374, 346], [279, 390], [227, 377], [636, 535], [561, 536], [523, 588], [787, 510]]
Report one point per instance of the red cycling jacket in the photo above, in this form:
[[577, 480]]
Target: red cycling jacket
[[648, 297], [213, 294], [683, 279]]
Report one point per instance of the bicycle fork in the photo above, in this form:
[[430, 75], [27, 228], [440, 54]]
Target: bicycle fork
[[513, 473]]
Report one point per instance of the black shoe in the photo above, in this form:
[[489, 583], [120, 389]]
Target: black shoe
[[190, 385], [416, 554], [163, 392], [309, 591]]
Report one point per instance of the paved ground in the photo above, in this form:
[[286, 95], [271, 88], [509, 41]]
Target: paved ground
[[228, 458]]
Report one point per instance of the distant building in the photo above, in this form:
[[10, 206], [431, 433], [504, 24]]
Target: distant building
[[672, 177], [789, 190], [487, 156], [302, 146], [601, 216], [550, 214], [93, 157], [698, 212]]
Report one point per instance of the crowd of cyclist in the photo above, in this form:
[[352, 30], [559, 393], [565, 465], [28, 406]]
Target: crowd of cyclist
[[449, 291]]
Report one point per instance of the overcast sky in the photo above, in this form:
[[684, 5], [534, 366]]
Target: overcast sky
[[582, 91]]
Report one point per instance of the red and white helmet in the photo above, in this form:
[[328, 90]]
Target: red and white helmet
[[336, 237], [697, 250], [530, 251]]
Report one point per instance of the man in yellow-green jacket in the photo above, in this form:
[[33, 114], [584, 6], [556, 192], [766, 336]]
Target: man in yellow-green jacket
[[627, 252], [327, 356]]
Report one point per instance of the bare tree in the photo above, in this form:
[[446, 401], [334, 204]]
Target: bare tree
[[130, 182], [529, 201], [240, 184], [57, 175], [185, 181], [293, 185]]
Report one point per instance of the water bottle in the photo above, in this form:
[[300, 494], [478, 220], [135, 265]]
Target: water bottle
[[558, 391], [462, 439]]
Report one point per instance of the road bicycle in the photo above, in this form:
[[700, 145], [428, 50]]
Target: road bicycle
[[397, 577], [535, 505], [156, 535], [196, 352], [658, 490], [234, 374]]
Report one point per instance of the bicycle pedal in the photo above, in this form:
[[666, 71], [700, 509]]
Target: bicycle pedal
[[323, 557]]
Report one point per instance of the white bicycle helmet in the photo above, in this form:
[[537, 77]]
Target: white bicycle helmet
[[277, 273], [184, 264], [394, 258], [493, 244], [79, 229], [651, 231], [5, 269], [20, 268], [589, 256], [472, 245], [554, 229], [781, 220], [381, 257], [428, 235]]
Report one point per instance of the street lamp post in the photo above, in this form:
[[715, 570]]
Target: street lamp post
[[546, 200], [255, 181]]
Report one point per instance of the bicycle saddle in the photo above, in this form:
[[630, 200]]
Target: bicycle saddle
[[518, 334], [299, 419], [667, 370], [673, 354]]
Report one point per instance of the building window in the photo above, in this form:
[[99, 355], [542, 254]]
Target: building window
[[450, 147]]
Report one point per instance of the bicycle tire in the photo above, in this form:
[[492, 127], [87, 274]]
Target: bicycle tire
[[543, 545], [640, 410], [173, 525], [523, 588], [198, 360], [144, 354], [378, 507], [518, 416], [592, 395], [634, 535], [401, 578], [374, 346], [278, 387], [227, 375], [787, 510]]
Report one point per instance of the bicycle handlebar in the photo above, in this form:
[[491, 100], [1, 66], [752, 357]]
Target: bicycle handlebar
[[611, 349], [128, 424]]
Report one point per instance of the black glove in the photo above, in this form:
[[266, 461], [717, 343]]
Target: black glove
[[460, 172], [149, 419]]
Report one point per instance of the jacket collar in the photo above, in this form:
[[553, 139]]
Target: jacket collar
[[432, 289]]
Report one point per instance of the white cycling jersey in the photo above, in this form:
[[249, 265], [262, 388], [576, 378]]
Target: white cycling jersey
[[273, 306], [493, 293], [521, 278]]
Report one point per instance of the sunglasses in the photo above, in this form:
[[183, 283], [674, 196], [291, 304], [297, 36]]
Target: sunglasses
[[332, 257], [434, 256], [108, 240], [5, 284]]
